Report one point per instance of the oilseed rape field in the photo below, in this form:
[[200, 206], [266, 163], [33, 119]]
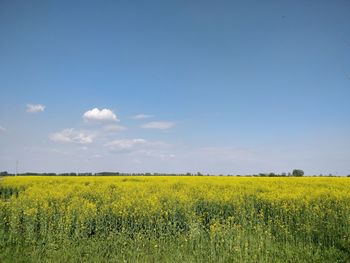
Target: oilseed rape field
[[174, 219]]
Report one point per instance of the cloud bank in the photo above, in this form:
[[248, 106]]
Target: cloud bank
[[161, 125], [141, 116], [125, 145], [100, 115], [34, 108], [114, 128], [72, 136]]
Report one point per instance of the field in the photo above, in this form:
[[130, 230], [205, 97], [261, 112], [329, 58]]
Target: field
[[174, 219]]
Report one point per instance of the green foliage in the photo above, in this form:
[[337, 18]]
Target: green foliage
[[297, 172]]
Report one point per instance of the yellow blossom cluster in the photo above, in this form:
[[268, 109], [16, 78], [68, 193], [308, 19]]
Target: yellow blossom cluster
[[307, 209]]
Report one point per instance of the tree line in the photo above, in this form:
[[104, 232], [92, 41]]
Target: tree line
[[294, 173]]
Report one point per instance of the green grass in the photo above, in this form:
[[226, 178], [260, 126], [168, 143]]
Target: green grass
[[231, 247]]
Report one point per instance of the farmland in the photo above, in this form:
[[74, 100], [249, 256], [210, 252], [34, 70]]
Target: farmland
[[174, 219]]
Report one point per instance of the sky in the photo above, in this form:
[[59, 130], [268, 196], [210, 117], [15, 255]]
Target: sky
[[218, 87]]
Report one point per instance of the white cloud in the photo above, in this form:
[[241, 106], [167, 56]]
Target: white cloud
[[2, 128], [125, 145], [100, 115], [141, 116], [72, 136], [162, 125], [167, 156], [141, 149], [34, 108], [114, 128]]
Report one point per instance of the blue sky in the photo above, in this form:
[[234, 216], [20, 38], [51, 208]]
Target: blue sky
[[223, 87]]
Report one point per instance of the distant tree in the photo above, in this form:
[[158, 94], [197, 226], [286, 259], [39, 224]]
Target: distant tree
[[297, 172], [4, 173]]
